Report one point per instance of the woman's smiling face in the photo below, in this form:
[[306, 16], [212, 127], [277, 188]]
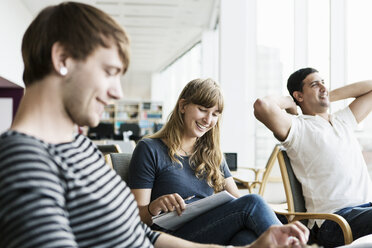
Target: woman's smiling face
[[198, 119]]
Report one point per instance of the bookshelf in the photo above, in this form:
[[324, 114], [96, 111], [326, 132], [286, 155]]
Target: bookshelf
[[144, 113]]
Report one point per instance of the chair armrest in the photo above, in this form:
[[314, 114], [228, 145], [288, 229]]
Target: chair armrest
[[257, 172], [240, 180], [346, 230], [108, 161], [250, 185]]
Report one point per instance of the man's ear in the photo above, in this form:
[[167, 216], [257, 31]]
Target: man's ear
[[59, 57], [181, 105], [298, 96]]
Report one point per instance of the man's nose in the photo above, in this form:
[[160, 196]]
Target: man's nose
[[323, 88], [116, 92]]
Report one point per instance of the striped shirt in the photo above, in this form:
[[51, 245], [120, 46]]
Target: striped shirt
[[64, 195]]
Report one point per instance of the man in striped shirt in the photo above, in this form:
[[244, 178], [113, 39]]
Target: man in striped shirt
[[55, 189]]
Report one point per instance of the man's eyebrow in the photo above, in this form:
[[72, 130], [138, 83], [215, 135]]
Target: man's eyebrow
[[318, 80]]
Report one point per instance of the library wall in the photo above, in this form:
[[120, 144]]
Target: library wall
[[14, 19]]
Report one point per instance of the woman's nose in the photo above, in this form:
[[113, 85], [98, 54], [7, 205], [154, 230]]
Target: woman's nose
[[207, 118]]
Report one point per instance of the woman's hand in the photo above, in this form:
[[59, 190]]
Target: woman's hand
[[167, 203]]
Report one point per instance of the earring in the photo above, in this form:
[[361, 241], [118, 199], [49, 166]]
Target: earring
[[63, 71]]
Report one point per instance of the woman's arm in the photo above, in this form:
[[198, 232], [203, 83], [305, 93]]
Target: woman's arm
[[231, 187], [143, 199]]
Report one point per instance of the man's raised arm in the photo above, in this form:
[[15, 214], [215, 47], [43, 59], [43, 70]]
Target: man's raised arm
[[269, 111], [362, 92]]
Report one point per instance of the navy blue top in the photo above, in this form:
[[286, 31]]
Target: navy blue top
[[152, 168]]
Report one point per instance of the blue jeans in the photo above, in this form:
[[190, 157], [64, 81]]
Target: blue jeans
[[238, 222], [359, 219]]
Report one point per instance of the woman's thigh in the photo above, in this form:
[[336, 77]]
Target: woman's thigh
[[222, 224]]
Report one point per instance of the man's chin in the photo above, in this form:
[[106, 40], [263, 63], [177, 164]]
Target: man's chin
[[325, 104], [92, 122]]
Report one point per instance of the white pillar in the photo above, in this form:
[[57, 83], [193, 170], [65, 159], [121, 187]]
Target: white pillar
[[237, 77], [301, 34], [338, 69]]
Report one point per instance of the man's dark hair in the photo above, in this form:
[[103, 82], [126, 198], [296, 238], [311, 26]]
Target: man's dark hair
[[296, 80], [79, 28]]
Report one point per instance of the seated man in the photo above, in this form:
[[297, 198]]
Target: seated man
[[55, 188], [323, 150]]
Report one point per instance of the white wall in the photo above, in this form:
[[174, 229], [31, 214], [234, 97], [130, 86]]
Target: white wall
[[136, 85], [6, 107], [14, 20]]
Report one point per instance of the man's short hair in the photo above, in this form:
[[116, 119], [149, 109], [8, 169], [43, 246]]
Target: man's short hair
[[296, 80], [78, 27]]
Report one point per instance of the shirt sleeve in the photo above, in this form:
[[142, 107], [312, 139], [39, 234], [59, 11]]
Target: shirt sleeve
[[346, 115], [142, 167], [151, 235], [293, 138], [32, 202], [225, 169]]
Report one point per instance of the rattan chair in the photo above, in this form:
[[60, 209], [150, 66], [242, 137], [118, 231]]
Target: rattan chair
[[296, 201], [257, 182]]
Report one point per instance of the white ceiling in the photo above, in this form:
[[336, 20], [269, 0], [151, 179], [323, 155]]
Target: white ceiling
[[160, 30]]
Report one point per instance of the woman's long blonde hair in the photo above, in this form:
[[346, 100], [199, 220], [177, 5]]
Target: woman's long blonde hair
[[207, 156]]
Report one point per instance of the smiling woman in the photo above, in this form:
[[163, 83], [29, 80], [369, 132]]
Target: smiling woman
[[184, 158]]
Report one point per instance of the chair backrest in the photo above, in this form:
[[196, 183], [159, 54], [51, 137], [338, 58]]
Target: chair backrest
[[120, 163], [109, 148], [269, 166], [292, 187]]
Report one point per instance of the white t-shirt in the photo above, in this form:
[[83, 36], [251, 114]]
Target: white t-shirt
[[328, 162]]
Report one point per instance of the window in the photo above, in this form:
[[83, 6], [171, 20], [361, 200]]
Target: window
[[275, 62], [359, 63], [319, 37], [168, 84]]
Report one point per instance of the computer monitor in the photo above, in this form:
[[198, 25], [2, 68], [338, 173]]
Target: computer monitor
[[231, 160], [134, 127], [102, 131]]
